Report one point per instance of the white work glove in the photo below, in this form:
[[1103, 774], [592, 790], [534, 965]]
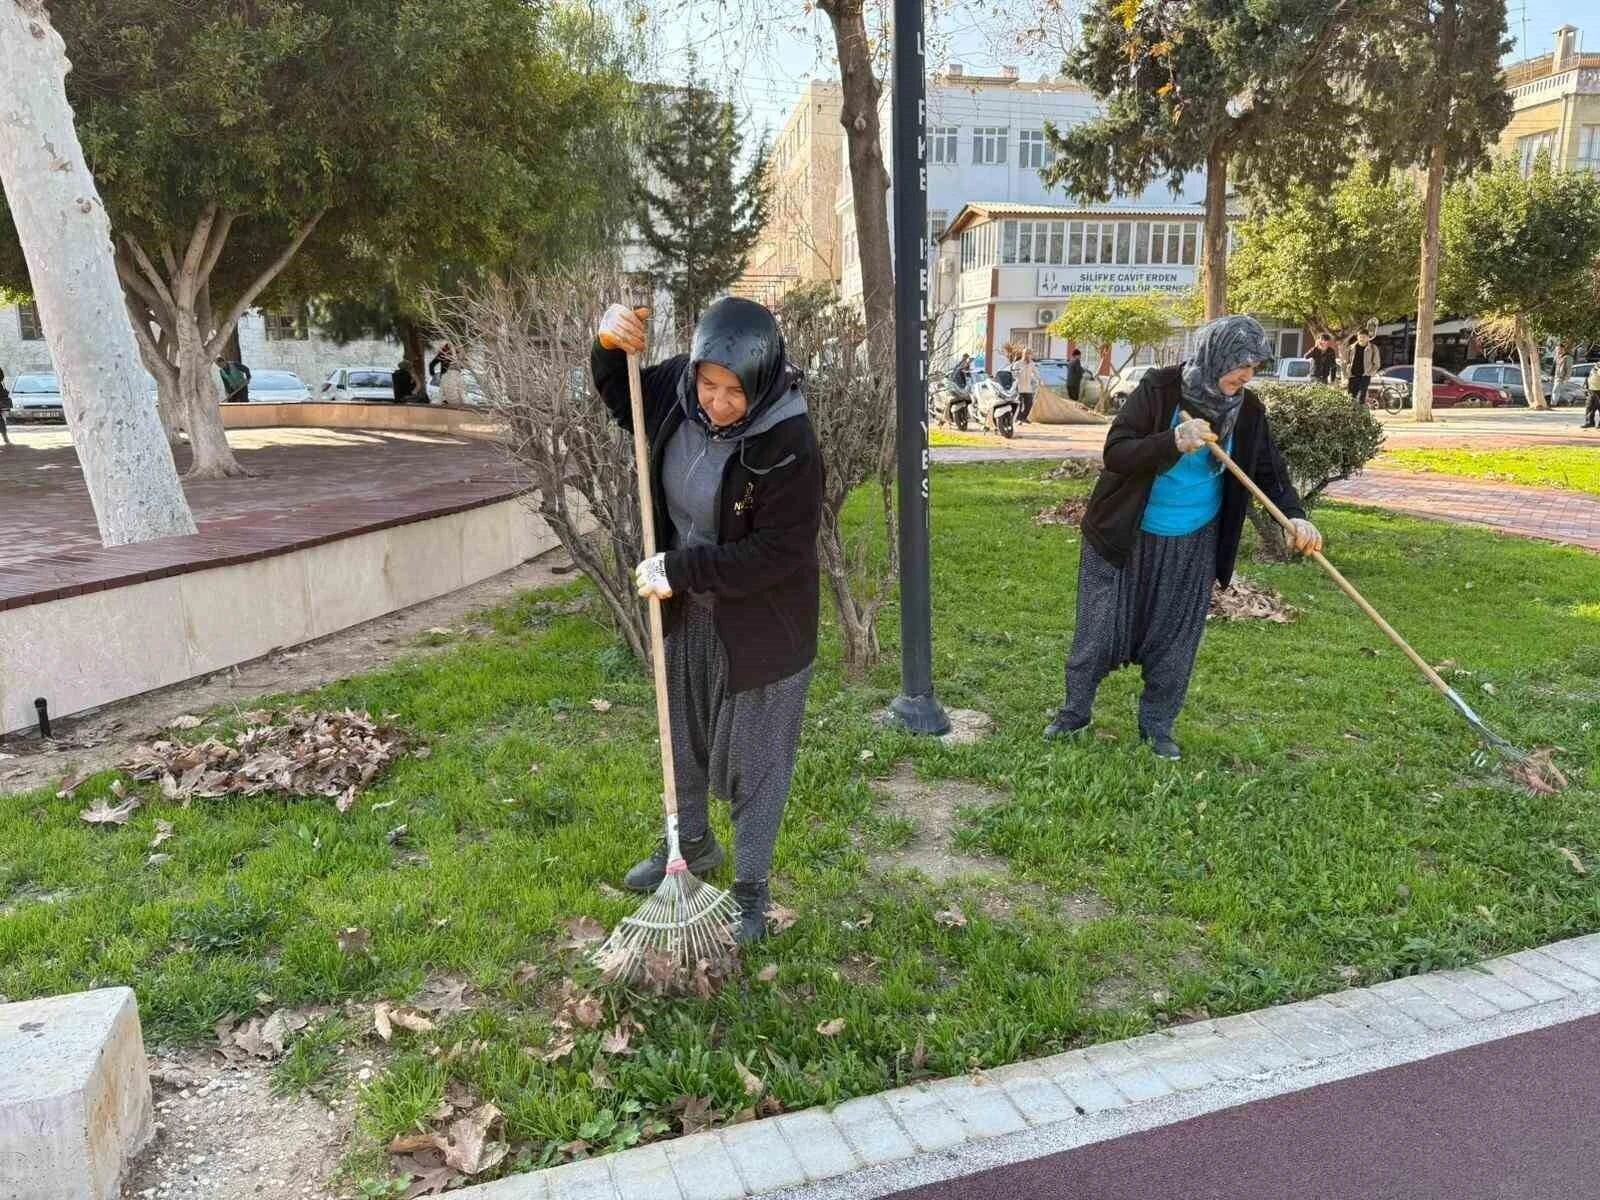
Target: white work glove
[[1193, 434], [650, 577], [1306, 536], [623, 329]]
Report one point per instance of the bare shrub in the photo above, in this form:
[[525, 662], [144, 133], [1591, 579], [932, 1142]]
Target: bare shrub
[[528, 340], [852, 409]]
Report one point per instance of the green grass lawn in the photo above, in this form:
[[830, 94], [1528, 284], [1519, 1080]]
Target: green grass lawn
[[1576, 468], [1329, 825]]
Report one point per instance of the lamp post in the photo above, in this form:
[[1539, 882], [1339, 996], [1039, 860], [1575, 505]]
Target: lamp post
[[916, 707]]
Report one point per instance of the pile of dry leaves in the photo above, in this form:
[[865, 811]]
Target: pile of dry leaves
[[1074, 468], [467, 1146], [1068, 512], [1246, 601], [300, 753]]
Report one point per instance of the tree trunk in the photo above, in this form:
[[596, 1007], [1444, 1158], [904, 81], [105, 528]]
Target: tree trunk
[[201, 391], [416, 353], [1427, 289], [66, 239], [1216, 269], [1272, 543], [1528, 356], [869, 178]]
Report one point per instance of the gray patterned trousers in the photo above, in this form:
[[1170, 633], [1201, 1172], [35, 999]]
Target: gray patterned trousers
[[740, 745]]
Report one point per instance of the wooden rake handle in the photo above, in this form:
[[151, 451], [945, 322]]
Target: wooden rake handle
[[658, 649], [1345, 585]]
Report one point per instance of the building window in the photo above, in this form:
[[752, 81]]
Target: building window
[[1033, 150], [1589, 148], [1057, 237], [989, 146], [1529, 148], [1141, 243], [938, 222], [942, 143], [28, 322], [1189, 239], [969, 249], [1074, 243], [1124, 242], [285, 327]]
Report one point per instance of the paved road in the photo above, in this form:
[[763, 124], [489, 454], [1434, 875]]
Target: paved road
[[1512, 1119]]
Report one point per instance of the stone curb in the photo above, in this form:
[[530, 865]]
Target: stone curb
[[1169, 1075]]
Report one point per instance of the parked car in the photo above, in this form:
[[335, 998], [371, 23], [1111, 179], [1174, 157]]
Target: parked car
[[1123, 383], [1053, 375], [1290, 370], [36, 398], [361, 385], [1507, 376], [1451, 391], [278, 387]]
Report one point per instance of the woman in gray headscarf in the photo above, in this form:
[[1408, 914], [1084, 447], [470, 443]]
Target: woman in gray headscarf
[[1164, 521]]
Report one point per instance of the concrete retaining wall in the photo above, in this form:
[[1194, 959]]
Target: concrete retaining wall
[[88, 650], [401, 418]]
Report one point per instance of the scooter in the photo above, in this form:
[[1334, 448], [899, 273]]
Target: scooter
[[997, 403], [950, 405]]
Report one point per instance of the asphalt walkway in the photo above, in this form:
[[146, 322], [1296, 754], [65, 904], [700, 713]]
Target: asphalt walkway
[[1509, 1119]]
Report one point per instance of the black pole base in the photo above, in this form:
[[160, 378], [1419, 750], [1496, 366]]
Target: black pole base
[[920, 714]]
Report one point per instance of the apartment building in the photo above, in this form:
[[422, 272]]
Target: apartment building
[[800, 242], [1555, 107]]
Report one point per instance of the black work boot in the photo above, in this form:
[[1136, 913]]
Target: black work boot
[[1065, 727], [751, 923], [1162, 745], [703, 857]]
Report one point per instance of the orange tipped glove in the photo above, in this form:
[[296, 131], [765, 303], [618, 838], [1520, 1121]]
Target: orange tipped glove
[[623, 329], [1307, 538]]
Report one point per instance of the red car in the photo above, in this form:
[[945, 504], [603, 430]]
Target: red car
[[1451, 390]]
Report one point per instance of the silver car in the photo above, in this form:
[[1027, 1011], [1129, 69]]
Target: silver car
[[361, 385], [1503, 375], [278, 387], [36, 398]]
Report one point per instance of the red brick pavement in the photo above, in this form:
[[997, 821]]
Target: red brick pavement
[[1545, 513]]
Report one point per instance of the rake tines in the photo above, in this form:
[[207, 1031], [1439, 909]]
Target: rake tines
[[686, 921]]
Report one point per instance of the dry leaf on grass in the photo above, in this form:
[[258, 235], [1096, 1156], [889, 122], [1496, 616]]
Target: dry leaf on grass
[[1539, 773], [951, 918], [468, 1148], [163, 832], [443, 997], [558, 1049], [185, 722], [780, 918], [694, 1114], [589, 1012], [831, 1028], [1247, 601], [158, 860], [768, 973], [354, 940], [1577, 863], [326, 754], [1068, 512], [1073, 468], [72, 783], [582, 932], [599, 705], [280, 1026], [525, 974], [619, 1040], [381, 1022], [919, 1056], [410, 1143], [754, 1085], [101, 813]]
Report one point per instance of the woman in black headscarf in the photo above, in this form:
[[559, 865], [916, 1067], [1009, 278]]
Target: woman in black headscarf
[[1164, 522], [737, 478]]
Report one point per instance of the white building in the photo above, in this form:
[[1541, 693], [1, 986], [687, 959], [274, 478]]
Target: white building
[[1009, 250]]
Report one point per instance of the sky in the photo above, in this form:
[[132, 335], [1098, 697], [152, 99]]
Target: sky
[[760, 51]]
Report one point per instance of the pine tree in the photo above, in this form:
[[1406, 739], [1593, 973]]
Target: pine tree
[[699, 217]]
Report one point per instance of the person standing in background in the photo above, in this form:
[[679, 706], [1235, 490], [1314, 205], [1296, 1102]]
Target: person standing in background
[[1324, 360], [1027, 373], [1075, 376], [1365, 362]]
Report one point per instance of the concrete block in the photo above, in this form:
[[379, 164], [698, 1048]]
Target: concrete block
[[1089, 1090], [1415, 1003], [1486, 987], [762, 1156], [872, 1131], [1580, 953], [1455, 997], [75, 1103], [1174, 1060], [587, 1180], [235, 613], [644, 1174], [1541, 989], [984, 1109], [1305, 1038], [423, 559], [1537, 962], [1039, 1100], [346, 581], [1338, 1022], [818, 1143], [1204, 1046], [1134, 1078], [531, 1185], [1258, 1043], [924, 1115], [1388, 1021], [703, 1168]]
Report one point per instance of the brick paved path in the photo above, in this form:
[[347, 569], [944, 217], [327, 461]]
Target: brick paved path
[[46, 507], [1545, 513]]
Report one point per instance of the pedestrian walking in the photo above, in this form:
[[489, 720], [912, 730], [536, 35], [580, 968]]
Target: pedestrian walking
[[1591, 412], [5, 407], [1365, 362], [1027, 373], [1324, 360], [1164, 522], [235, 381], [444, 371], [737, 478], [1075, 376]]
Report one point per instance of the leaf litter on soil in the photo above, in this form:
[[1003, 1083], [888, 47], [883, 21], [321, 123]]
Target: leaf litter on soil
[[1248, 601], [327, 754]]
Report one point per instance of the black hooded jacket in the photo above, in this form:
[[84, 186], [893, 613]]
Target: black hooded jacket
[[763, 572]]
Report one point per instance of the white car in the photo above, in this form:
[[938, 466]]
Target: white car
[[36, 398], [1294, 370], [1123, 384], [361, 385], [278, 387]]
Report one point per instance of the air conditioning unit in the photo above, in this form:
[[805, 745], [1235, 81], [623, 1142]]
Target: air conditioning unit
[[1044, 316]]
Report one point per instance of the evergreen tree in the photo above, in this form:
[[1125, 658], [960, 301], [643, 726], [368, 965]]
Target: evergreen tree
[[699, 217]]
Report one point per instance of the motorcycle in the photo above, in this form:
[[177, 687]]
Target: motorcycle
[[950, 405], [997, 403]]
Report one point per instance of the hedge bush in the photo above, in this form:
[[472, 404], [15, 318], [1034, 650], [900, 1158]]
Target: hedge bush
[[1324, 435]]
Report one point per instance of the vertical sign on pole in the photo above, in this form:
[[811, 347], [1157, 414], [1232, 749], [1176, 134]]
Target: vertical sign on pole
[[916, 708]]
